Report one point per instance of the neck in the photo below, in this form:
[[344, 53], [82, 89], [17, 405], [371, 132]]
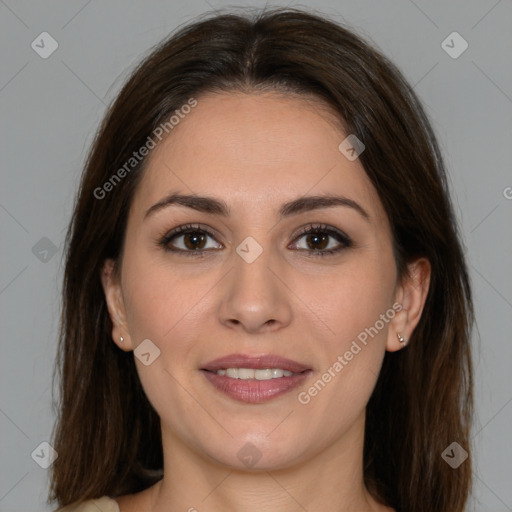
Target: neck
[[332, 479]]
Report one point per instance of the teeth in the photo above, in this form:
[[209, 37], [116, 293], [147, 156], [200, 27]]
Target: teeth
[[250, 373], [264, 374]]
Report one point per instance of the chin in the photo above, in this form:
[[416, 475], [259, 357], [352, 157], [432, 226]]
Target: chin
[[255, 453]]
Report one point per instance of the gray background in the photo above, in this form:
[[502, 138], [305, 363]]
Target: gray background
[[51, 107]]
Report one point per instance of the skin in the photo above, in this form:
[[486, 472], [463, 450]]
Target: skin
[[255, 152]]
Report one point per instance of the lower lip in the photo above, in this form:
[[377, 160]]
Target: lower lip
[[255, 391]]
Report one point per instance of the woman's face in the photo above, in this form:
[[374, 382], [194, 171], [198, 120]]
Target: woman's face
[[254, 287]]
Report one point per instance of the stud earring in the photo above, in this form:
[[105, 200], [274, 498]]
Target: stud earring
[[121, 339], [402, 341]]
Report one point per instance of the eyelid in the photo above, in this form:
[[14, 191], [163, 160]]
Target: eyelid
[[344, 241], [323, 228], [164, 240], [342, 238]]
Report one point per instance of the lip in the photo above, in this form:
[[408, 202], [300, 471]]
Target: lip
[[251, 390], [255, 362]]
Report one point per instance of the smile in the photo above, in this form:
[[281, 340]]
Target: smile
[[251, 373], [254, 379]]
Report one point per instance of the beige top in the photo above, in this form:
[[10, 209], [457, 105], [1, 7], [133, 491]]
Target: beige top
[[103, 504]]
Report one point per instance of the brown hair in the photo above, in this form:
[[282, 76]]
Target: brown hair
[[107, 434]]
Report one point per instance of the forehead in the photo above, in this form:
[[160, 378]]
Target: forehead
[[255, 151]]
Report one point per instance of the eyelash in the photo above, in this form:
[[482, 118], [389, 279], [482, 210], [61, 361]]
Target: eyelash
[[311, 229]]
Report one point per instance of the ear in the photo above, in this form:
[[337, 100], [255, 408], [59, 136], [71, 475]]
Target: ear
[[115, 305], [410, 295]]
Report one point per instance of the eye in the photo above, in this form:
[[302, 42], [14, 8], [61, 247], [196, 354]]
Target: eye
[[190, 240], [317, 241]]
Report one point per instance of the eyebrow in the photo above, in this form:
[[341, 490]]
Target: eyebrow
[[219, 207]]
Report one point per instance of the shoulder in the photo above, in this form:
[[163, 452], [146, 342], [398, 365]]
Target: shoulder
[[103, 504]]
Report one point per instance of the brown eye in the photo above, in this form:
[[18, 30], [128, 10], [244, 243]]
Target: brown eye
[[317, 241], [323, 240], [194, 240], [188, 240]]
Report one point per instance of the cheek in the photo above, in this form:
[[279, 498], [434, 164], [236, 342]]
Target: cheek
[[356, 306], [166, 305], [153, 292], [148, 303], [354, 298], [165, 308]]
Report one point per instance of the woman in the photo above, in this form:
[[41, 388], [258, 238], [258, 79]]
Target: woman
[[266, 305]]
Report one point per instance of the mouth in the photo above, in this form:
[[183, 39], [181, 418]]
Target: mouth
[[252, 379]]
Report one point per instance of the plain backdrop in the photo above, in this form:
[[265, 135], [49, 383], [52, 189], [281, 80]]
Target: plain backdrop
[[51, 107]]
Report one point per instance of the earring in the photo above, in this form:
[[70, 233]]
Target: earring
[[402, 341], [122, 339]]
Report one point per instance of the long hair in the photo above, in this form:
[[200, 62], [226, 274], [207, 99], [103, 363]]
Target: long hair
[[107, 435]]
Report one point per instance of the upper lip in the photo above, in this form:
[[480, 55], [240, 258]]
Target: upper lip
[[255, 362]]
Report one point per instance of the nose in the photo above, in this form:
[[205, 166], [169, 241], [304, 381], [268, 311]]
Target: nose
[[254, 296]]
